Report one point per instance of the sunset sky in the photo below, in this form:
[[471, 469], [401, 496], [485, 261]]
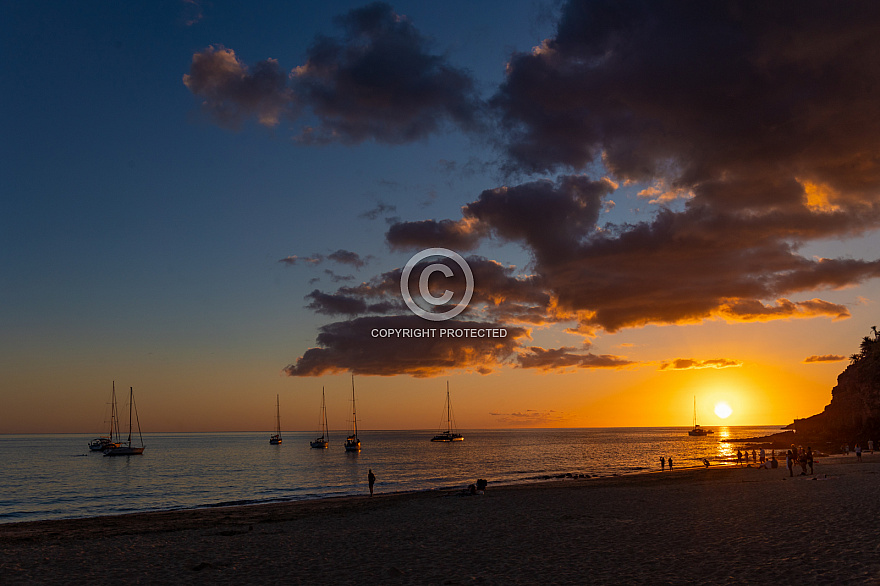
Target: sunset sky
[[212, 202]]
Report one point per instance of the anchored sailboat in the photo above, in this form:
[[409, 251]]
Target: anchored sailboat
[[275, 439], [324, 439], [126, 448], [101, 443], [449, 435], [697, 430], [352, 443]]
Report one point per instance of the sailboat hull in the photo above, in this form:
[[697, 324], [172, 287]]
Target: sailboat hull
[[124, 451], [455, 437], [319, 443]]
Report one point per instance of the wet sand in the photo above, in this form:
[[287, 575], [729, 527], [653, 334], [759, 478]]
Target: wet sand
[[715, 526]]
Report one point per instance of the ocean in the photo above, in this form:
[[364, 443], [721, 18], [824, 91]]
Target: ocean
[[56, 476]]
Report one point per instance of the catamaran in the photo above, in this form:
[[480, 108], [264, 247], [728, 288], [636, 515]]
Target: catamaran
[[324, 440], [101, 443], [449, 435], [352, 443], [697, 430], [275, 438], [126, 448]]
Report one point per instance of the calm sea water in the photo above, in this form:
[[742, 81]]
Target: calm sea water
[[55, 476]]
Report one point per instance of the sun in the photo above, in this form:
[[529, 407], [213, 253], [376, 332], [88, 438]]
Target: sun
[[723, 410]]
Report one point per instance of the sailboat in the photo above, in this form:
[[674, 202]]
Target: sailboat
[[449, 435], [324, 439], [103, 442], [697, 430], [126, 448], [352, 443], [275, 438]]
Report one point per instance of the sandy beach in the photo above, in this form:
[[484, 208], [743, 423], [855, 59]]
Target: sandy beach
[[711, 526]]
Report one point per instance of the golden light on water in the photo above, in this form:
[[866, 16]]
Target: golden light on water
[[723, 410]]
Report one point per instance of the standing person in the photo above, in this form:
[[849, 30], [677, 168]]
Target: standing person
[[754, 456], [371, 478], [789, 462], [763, 456], [739, 458], [810, 458], [858, 452], [871, 446], [662, 463], [670, 462]]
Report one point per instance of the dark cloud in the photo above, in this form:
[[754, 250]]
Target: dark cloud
[[293, 260], [456, 235], [340, 304], [347, 257], [338, 278], [377, 81], [824, 358], [349, 346], [381, 209], [551, 217], [233, 92], [690, 364], [680, 267], [499, 292], [565, 357], [700, 91]]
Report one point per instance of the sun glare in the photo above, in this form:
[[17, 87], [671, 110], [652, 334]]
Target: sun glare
[[723, 410]]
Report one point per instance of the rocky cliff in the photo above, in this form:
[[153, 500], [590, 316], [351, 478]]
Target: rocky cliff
[[853, 416]]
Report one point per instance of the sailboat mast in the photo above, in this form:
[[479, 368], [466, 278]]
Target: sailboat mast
[[324, 433], [695, 411], [113, 415], [448, 410], [353, 409], [277, 414], [130, 395]]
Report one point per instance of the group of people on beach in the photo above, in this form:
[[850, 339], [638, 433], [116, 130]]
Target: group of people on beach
[[803, 458], [759, 459]]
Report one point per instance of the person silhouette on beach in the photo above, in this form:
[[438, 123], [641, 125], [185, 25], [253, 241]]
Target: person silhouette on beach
[[371, 478], [754, 456], [858, 452], [810, 458], [662, 463], [789, 462], [739, 458], [670, 462]]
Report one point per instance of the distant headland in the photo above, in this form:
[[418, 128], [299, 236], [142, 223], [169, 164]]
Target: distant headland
[[853, 416]]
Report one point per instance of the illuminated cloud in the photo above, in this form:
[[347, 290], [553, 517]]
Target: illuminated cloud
[[565, 357], [824, 358], [690, 364], [377, 81], [530, 418], [350, 346], [753, 310]]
